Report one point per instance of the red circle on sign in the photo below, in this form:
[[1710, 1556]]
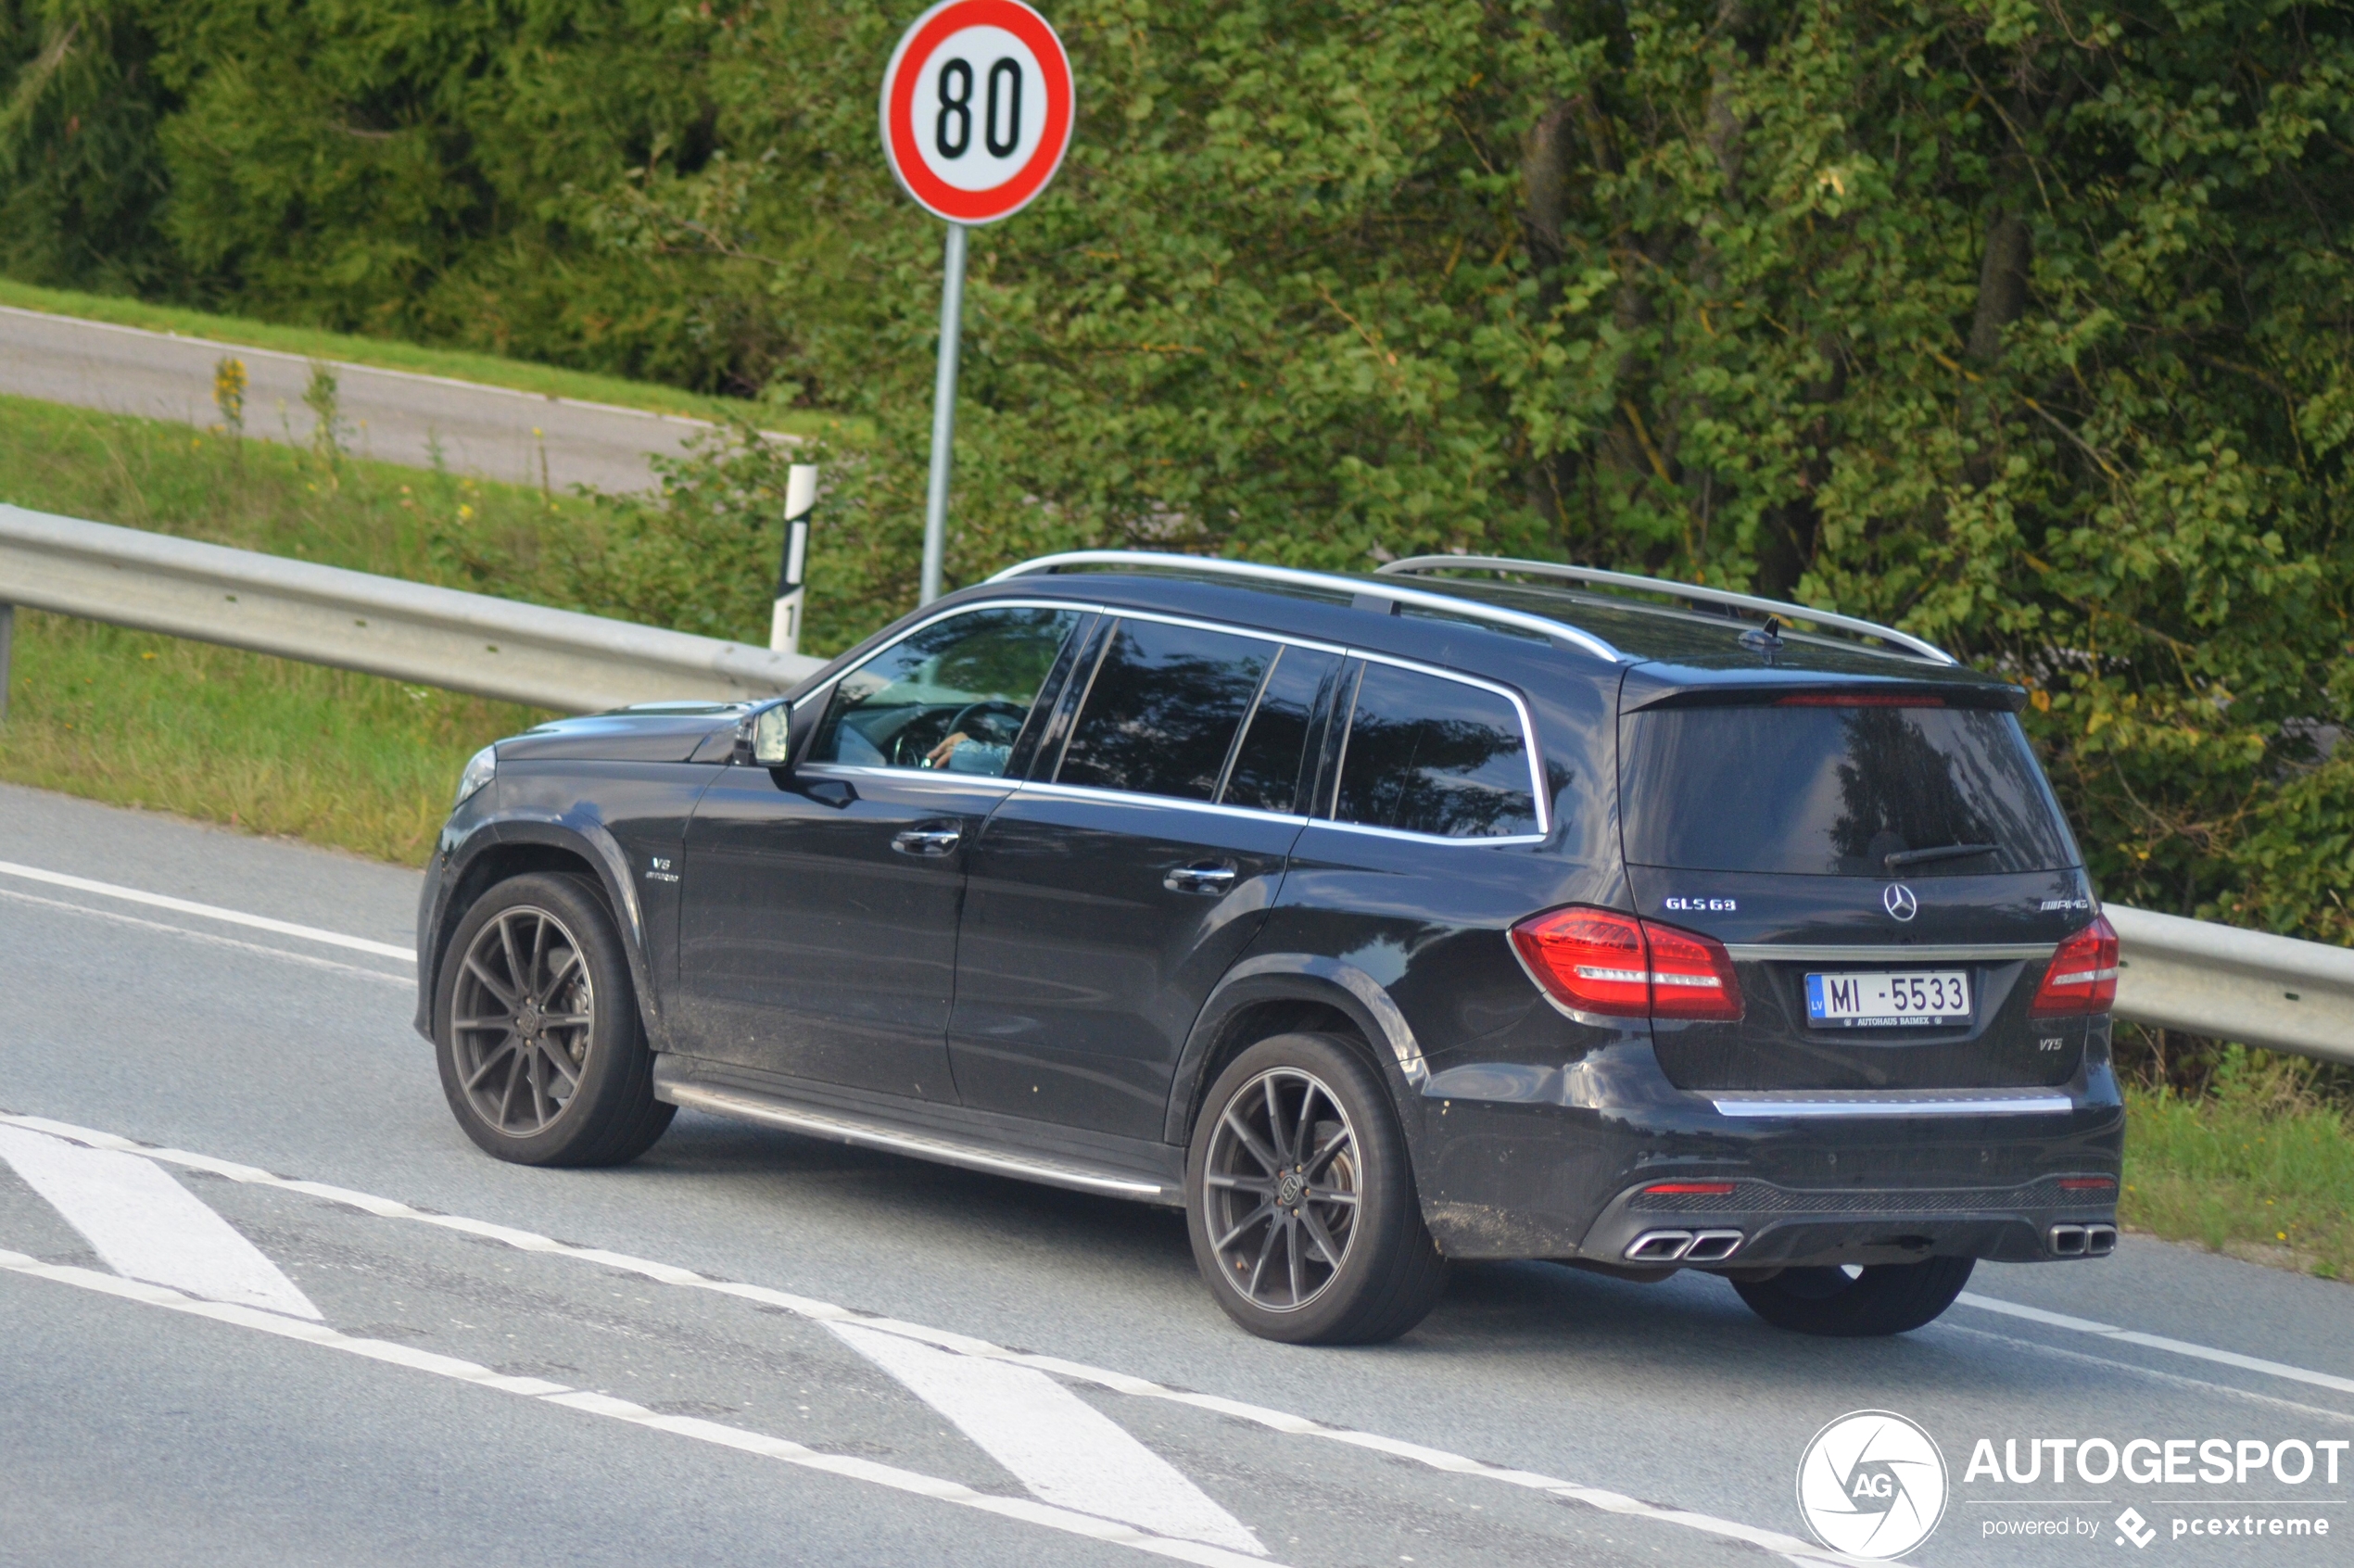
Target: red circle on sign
[[935, 28]]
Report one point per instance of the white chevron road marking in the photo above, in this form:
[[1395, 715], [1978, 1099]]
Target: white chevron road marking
[[147, 1226], [1056, 1444], [1107, 1531]]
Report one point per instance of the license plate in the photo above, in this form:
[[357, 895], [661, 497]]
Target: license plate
[[1883, 999]]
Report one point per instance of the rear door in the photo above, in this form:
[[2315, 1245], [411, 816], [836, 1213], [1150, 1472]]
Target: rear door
[[819, 908], [1108, 896], [1890, 875]]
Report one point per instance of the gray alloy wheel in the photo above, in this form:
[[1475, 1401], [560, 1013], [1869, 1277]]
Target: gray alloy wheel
[[1281, 1188], [542, 1055], [525, 1007], [1299, 1198]]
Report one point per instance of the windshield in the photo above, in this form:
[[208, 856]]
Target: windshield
[[1839, 791]]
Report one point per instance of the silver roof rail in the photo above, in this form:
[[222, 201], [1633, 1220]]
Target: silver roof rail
[[1678, 590], [1446, 603]]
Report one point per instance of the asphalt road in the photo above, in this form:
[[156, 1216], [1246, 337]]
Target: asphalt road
[[518, 438], [754, 1348]]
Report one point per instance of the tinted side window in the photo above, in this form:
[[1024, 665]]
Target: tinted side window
[[1271, 766], [953, 695], [1162, 711], [1861, 791], [1431, 755]]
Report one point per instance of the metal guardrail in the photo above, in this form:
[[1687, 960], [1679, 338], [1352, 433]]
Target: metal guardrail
[[2190, 975], [358, 621], [2234, 984]]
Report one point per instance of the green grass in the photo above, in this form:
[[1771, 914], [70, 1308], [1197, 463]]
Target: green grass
[[2260, 1165], [268, 745], [387, 354]]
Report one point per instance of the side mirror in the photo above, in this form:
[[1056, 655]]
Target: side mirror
[[772, 735]]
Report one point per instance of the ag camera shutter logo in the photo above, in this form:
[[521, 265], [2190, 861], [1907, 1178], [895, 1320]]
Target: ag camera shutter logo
[[1872, 1484]]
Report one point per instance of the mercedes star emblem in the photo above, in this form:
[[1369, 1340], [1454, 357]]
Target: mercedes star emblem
[[1900, 900]]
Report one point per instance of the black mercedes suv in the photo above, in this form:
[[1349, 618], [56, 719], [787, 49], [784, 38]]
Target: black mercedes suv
[[1470, 910]]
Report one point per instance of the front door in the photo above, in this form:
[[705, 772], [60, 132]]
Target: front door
[[818, 934], [1106, 899]]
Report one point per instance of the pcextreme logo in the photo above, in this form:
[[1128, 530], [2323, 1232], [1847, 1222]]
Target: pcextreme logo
[[1872, 1484]]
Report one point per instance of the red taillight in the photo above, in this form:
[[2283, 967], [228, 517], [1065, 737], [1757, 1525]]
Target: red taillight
[[1699, 1189], [2088, 1183], [1600, 961], [2083, 978]]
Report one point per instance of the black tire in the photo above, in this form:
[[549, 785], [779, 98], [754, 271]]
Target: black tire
[[1352, 1187], [1883, 1298], [505, 1084]]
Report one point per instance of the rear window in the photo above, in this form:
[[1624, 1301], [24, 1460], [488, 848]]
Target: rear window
[[1837, 792], [1162, 711]]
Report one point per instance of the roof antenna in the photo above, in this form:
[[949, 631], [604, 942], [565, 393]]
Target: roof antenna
[[1765, 639]]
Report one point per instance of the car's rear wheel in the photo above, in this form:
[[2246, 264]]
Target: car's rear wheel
[[543, 1058], [1301, 1202], [1857, 1303]]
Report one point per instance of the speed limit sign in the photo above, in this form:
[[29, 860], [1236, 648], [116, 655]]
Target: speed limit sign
[[977, 108]]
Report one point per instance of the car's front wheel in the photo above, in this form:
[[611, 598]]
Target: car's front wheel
[[1860, 1303], [543, 1058], [1302, 1201]]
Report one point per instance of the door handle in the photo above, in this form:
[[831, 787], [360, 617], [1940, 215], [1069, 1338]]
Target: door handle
[[1207, 877], [930, 843]]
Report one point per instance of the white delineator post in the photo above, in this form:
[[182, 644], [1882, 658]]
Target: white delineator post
[[801, 498]]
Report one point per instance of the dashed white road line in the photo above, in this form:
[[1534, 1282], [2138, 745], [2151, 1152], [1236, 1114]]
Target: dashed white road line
[[736, 1437], [1056, 1444], [116, 917], [146, 1225], [1596, 1497], [208, 911], [2159, 1342]]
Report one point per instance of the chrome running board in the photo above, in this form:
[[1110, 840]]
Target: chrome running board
[[867, 1133]]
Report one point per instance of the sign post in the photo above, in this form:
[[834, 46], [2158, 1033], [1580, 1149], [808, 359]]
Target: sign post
[[977, 111]]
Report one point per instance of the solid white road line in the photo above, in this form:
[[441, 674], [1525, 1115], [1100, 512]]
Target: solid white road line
[[208, 911], [2159, 1342], [827, 1312], [116, 917], [2147, 1374], [710, 1432], [146, 1225], [1056, 1444]]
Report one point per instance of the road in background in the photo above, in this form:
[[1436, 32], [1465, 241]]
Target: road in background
[[754, 1267], [393, 416]]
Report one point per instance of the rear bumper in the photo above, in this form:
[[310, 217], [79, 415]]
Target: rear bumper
[[1511, 1168]]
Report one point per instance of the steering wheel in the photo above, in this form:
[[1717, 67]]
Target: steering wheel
[[998, 708]]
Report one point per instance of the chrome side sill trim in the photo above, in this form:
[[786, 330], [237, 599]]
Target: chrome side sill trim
[[2003, 1104], [818, 1124], [1857, 952]]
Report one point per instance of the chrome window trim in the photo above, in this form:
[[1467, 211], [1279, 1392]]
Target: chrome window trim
[[928, 774], [1834, 952], [2041, 1102], [1450, 605], [1528, 740], [1497, 841], [1048, 789]]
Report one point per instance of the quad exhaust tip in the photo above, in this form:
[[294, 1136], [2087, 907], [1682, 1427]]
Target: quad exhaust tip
[[1683, 1247], [2084, 1240]]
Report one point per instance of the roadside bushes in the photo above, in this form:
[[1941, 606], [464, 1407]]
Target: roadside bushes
[[2023, 323]]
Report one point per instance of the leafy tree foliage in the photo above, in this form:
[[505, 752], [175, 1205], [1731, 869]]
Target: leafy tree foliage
[[2023, 322]]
